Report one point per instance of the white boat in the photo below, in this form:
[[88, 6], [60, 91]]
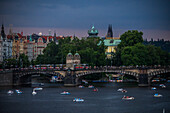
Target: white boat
[[38, 88], [121, 89], [10, 92], [162, 85], [128, 98], [91, 86], [153, 88], [78, 100], [34, 93], [65, 93], [157, 95], [18, 91], [81, 86]]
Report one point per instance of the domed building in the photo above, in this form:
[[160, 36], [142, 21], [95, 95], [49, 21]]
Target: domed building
[[69, 60], [72, 60], [93, 32], [77, 59]]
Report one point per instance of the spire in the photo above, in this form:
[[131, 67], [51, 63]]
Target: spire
[[2, 32], [74, 36], [55, 36], [110, 32]]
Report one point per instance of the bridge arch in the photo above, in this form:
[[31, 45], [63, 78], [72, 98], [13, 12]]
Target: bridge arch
[[84, 73], [19, 75]]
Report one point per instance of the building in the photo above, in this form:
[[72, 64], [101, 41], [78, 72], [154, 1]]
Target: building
[[72, 60], [7, 45], [92, 32], [39, 46], [30, 49], [110, 42]]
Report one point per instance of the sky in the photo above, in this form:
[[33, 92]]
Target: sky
[[69, 17]]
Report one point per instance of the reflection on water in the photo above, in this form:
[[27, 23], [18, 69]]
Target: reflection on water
[[106, 100]]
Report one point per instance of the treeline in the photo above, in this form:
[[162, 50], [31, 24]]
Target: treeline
[[164, 45], [132, 51], [91, 53]]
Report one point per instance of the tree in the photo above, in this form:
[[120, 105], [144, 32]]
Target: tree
[[139, 54], [11, 63], [130, 38], [23, 60]]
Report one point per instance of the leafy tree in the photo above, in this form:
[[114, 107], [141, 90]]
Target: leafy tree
[[23, 61], [130, 38], [11, 63]]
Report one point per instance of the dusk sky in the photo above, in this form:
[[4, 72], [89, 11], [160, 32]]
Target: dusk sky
[[69, 17]]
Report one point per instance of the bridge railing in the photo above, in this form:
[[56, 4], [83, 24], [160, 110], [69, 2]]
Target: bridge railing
[[90, 68]]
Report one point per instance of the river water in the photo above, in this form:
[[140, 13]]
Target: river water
[[106, 100]]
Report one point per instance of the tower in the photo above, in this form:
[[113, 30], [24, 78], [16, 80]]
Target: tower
[[76, 58], [3, 33], [93, 32], [110, 32], [69, 60]]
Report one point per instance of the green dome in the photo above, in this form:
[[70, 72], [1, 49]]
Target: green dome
[[76, 54], [69, 54]]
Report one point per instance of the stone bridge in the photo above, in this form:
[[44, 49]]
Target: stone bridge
[[71, 77]]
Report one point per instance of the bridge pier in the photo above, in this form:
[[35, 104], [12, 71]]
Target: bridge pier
[[143, 77], [70, 78], [143, 80]]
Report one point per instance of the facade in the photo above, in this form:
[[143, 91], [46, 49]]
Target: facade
[[93, 32], [72, 60], [7, 45], [16, 46], [77, 59], [30, 49], [111, 42], [39, 47]]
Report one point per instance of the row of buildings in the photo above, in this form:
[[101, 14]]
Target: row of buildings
[[14, 44]]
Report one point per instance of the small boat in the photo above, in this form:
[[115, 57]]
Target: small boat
[[90, 86], [81, 86], [41, 84], [18, 91], [34, 93], [128, 98], [121, 89], [162, 85], [78, 100], [10, 92], [95, 90], [157, 95], [65, 93], [124, 91], [38, 88], [153, 88]]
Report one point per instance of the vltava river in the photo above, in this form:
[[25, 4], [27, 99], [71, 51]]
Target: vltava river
[[106, 100]]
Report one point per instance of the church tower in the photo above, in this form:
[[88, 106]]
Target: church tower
[[3, 33], [69, 60], [109, 32], [77, 59], [93, 32]]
